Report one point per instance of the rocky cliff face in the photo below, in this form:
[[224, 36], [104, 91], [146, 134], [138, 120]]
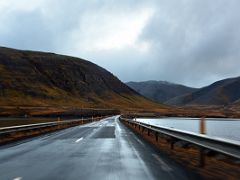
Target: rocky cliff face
[[36, 78]]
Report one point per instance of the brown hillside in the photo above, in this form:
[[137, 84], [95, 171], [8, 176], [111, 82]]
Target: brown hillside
[[30, 78]]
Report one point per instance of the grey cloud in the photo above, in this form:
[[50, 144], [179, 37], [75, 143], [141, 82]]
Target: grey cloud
[[27, 31], [198, 41], [191, 42]]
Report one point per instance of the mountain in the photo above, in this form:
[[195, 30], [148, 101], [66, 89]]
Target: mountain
[[160, 91], [29, 78], [224, 92]]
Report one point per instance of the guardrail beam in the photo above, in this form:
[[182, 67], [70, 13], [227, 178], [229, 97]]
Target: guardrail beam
[[17, 132], [202, 142]]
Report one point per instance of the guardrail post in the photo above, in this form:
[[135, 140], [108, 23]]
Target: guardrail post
[[58, 119], [148, 132], [172, 144], [139, 127], [201, 157], [202, 128], [143, 129], [156, 136]]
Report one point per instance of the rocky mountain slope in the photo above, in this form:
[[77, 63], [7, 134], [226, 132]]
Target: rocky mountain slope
[[30, 78]]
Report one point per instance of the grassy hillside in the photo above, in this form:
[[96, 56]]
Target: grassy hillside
[[30, 78]]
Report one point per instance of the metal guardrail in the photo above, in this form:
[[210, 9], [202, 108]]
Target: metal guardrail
[[228, 148], [8, 131], [38, 125]]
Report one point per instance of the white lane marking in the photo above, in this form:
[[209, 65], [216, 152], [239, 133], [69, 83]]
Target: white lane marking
[[164, 166], [140, 141], [79, 140], [137, 139], [145, 168], [118, 130], [17, 178]]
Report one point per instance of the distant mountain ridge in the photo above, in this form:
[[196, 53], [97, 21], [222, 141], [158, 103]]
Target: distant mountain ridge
[[223, 92], [160, 91], [46, 79]]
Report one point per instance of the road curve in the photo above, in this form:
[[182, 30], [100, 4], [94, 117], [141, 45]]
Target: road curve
[[103, 150]]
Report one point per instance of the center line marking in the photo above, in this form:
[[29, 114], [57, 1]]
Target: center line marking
[[79, 140]]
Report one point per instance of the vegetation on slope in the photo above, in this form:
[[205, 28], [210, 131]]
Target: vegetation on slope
[[30, 78]]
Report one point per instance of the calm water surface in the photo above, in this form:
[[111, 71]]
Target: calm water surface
[[221, 128]]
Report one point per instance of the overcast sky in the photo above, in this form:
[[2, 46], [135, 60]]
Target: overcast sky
[[193, 42]]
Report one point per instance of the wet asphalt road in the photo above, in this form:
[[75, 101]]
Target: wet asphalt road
[[100, 150]]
